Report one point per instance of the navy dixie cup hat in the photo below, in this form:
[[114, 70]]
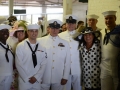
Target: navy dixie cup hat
[[54, 23], [71, 19]]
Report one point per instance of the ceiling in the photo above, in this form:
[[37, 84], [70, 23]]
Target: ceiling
[[35, 3]]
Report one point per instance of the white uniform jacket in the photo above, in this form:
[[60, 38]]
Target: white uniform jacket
[[58, 59], [24, 62], [6, 68], [75, 55]]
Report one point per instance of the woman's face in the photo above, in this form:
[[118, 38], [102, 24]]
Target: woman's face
[[88, 38], [20, 35]]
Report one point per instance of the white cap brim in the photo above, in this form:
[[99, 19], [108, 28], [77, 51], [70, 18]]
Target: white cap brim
[[33, 26], [5, 27], [106, 13]]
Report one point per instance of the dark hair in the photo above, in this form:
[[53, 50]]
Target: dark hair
[[80, 22], [63, 24], [11, 19], [26, 35], [82, 41]]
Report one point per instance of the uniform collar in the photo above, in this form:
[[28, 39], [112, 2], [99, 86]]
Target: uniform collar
[[29, 41], [3, 44], [53, 38], [72, 32]]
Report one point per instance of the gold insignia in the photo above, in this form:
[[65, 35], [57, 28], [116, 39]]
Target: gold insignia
[[70, 18], [55, 22]]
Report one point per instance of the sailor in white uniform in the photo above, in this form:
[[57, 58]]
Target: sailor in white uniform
[[30, 60], [58, 60], [110, 54], [6, 59], [92, 22], [75, 72]]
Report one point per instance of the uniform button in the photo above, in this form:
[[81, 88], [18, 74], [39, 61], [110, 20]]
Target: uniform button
[[53, 60], [52, 67]]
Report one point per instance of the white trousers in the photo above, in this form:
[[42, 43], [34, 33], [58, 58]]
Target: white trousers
[[5, 82], [55, 86], [73, 80]]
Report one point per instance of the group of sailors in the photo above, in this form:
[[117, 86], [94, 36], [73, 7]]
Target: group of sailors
[[79, 59]]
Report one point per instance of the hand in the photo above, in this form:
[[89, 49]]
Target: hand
[[32, 80], [63, 81]]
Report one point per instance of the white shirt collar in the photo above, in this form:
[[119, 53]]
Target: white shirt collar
[[72, 32], [29, 41], [54, 38]]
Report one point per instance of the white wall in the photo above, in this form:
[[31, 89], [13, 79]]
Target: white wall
[[79, 9]]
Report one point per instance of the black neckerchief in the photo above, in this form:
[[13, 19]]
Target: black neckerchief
[[106, 37], [7, 49], [33, 54]]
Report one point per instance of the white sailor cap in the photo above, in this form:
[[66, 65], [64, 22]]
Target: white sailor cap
[[92, 16], [33, 26], [55, 23], [5, 26], [71, 19], [109, 13]]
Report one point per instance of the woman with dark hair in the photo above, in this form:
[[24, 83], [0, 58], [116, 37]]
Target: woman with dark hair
[[90, 56], [17, 34]]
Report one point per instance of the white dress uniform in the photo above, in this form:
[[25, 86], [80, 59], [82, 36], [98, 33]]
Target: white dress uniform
[[25, 65], [109, 64], [6, 68], [58, 62], [75, 74]]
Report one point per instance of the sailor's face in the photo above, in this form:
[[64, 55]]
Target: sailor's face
[[32, 34], [92, 22], [71, 26], [54, 31], [4, 34], [110, 20]]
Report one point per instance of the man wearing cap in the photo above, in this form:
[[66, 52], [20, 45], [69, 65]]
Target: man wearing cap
[[58, 60], [109, 63], [30, 60], [92, 21], [6, 59], [75, 72]]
